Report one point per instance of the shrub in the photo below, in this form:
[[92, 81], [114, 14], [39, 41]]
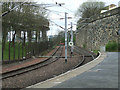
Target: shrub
[[84, 46], [95, 51], [119, 47], [112, 46]]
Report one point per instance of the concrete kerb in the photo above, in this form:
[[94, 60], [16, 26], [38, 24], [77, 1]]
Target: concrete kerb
[[69, 74]]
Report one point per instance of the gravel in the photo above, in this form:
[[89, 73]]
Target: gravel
[[44, 73]]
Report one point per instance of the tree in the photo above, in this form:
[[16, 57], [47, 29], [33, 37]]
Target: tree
[[90, 8], [25, 18], [61, 37]]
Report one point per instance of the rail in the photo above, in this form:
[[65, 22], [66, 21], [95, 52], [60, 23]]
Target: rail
[[31, 67], [78, 50]]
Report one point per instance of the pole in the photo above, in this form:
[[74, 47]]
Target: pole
[[65, 37], [71, 39]]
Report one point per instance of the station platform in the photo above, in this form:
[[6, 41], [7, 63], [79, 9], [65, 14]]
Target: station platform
[[99, 73]]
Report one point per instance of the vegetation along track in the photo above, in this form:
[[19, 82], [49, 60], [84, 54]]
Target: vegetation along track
[[22, 70]]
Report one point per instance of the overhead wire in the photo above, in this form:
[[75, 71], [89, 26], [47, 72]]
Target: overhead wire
[[67, 9], [55, 12], [56, 24], [59, 25], [64, 7], [6, 12]]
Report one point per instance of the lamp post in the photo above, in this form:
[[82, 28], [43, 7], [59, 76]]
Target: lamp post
[[65, 37], [65, 29], [71, 39]]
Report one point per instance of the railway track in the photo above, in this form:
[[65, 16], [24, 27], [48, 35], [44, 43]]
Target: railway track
[[32, 75], [48, 61], [22, 70], [82, 53]]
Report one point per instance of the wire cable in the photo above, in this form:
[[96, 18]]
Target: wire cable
[[67, 9], [5, 13], [55, 12]]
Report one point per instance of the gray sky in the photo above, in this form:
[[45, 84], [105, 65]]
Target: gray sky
[[70, 7]]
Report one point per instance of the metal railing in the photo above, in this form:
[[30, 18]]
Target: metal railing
[[20, 51]]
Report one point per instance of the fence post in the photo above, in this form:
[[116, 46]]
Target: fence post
[[26, 50], [30, 49], [18, 51], [9, 50], [2, 53], [39, 47], [14, 50], [22, 50]]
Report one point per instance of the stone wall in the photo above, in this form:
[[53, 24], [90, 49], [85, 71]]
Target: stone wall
[[99, 29]]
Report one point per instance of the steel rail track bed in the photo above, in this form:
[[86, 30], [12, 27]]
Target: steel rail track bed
[[32, 67], [50, 59], [79, 50]]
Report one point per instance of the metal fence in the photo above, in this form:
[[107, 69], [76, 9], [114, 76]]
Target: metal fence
[[20, 51]]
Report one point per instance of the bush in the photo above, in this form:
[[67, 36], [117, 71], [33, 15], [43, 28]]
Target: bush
[[112, 46], [0, 51], [84, 46], [118, 47], [96, 51]]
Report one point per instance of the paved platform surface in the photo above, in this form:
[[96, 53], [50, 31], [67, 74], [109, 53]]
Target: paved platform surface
[[99, 73], [104, 75]]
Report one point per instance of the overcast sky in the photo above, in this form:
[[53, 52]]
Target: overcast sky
[[70, 7]]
